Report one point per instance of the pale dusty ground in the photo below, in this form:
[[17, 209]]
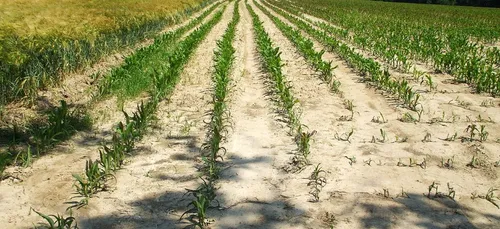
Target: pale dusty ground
[[254, 191], [48, 184]]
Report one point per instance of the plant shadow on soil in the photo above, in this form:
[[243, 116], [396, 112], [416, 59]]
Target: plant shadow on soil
[[41, 135], [383, 213]]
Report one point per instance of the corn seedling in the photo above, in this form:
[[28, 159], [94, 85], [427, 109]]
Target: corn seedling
[[379, 119], [352, 160], [94, 180], [483, 134], [400, 163], [451, 138], [57, 221], [474, 162], [448, 163], [383, 135], [345, 136], [488, 103], [303, 144], [427, 138], [472, 131], [422, 164], [430, 82], [368, 162], [434, 186], [204, 197], [25, 158], [386, 193], [407, 117], [401, 139], [489, 196], [403, 194], [451, 192], [317, 181]]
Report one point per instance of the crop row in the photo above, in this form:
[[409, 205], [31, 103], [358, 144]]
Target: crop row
[[134, 76], [204, 195], [28, 64], [62, 122], [306, 48], [99, 172], [401, 41], [281, 88], [370, 69]]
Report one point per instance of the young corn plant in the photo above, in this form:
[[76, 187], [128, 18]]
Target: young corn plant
[[219, 116], [93, 181], [352, 160], [57, 221], [98, 173], [448, 163], [345, 136], [451, 138], [306, 48], [317, 181], [303, 144], [489, 196], [379, 119], [204, 198]]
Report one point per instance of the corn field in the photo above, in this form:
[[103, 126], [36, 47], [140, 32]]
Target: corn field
[[253, 114]]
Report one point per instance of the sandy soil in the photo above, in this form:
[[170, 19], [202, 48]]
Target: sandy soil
[[151, 189], [48, 183], [254, 191]]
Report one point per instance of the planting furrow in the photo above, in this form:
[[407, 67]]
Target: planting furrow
[[205, 196], [250, 188], [169, 162]]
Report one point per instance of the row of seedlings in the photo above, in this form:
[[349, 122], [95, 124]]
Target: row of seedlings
[[62, 122], [371, 71], [204, 195], [133, 77], [31, 64], [98, 173], [452, 51], [306, 48], [281, 88]]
